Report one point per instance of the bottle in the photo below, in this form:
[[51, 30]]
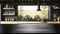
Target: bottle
[[5, 19], [7, 6], [8, 19], [12, 7], [58, 19], [12, 19]]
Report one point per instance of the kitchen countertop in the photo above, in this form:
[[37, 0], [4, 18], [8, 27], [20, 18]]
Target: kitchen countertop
[[29, 22]]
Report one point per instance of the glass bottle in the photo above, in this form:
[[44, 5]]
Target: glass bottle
[[7, 6]]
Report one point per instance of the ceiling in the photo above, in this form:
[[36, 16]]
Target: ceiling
[[32, 2]]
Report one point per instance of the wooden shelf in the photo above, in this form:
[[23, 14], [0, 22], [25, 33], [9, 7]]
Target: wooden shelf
[[8, 14], [56, 8], [8, 8], [8, 11]]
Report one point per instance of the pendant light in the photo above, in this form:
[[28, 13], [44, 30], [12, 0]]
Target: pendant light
[[38, 6]]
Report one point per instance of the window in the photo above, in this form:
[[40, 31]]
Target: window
[[31, 10]]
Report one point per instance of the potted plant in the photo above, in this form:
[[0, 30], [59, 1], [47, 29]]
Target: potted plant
[[37, 18], [28, 18], [20, 17], [55, 16]]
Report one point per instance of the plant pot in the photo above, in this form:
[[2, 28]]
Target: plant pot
[[55, 19]]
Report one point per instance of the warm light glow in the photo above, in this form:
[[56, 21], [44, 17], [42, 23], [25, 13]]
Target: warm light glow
[[28, 8]]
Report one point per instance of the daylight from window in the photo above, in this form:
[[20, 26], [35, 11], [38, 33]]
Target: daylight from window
[[32, 11]]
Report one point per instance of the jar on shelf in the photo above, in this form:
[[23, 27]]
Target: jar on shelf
[[7, 6]]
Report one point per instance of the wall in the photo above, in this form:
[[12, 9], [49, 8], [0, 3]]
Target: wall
[[0, 12]]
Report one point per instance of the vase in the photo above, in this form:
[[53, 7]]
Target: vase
[[54, 19]]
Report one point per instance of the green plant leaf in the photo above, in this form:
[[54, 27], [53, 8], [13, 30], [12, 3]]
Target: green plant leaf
[[55, 15], [37, 17]]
